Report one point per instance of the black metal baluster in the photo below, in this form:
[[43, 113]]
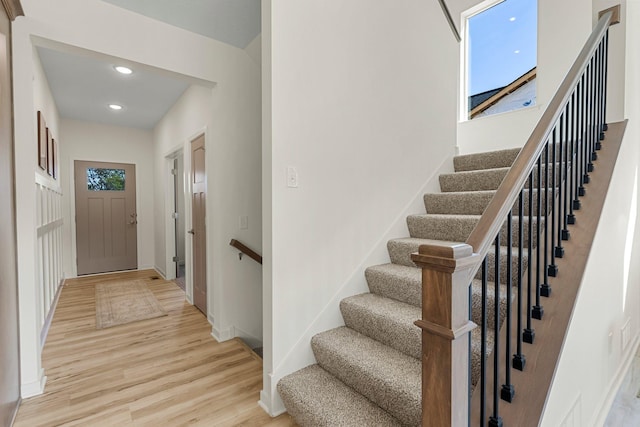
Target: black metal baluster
[[588, 133], [545, 288], [495, 420], [601, 83], [571, 218], [559, 250], [537, 310], [592, 140], [605, 127], [529, 334], [483, 347], [470, 391], [518, 359], [583, 136], [596, 96], [576, 200], [508, 391], [553, 268], [565, 231]]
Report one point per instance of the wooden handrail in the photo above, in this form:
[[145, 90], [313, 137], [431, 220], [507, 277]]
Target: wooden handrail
[[246, 250], [452, 24], [483, 235]]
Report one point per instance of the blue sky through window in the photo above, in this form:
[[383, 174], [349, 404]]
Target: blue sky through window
[[502, 44]]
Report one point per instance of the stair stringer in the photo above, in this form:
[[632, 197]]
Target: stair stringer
[[329, 317]]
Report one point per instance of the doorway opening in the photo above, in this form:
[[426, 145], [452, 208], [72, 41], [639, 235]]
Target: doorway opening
[[179, 218]]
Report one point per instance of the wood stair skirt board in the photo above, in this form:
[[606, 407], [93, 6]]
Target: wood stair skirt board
[[369, 371]]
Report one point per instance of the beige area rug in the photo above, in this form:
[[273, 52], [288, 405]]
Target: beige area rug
[[125, 302]]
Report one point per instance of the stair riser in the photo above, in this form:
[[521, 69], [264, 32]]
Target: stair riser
[[458, 229], [404, 289], [491, 269], [475, 202], [400, 253], [496, 159], [472, 181], [489, 179], [403, 336]]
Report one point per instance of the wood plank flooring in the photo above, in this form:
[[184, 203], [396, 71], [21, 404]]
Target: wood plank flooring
[[167, 371]]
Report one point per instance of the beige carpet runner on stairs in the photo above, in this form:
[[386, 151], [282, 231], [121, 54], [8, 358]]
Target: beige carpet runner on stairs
[[368, 372], [125, 302]]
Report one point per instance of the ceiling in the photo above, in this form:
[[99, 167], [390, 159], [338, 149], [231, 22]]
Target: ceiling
[[83, 87], [83, 84], [235, 22]]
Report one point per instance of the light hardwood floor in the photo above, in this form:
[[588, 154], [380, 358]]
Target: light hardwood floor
[[167, 371]]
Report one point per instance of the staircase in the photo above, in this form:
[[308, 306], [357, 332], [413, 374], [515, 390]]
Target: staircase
[[369, 371]]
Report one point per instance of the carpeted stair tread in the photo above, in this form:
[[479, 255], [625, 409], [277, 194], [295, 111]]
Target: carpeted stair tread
[[400, 250], [475, 202], [458, 202], [476, 351], [476, 301], [315, 398], [385, 320], [488, 160], [486, 179], [456, 228], [397, 282], [382, 374]]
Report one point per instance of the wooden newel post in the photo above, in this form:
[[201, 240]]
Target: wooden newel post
[[445, 327]]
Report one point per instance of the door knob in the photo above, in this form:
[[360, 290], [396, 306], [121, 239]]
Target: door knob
[[191, 231]]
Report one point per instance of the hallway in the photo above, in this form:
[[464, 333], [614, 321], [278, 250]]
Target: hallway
[[166, 371]]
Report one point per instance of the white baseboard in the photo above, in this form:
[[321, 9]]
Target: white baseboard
[[15, 412], [271, 407], [47, 323], [251, 340], [157, 269], [35, 388], [222, 335], [623, 368]]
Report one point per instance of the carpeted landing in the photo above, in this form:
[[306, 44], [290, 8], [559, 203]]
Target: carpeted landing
[[368, 372]]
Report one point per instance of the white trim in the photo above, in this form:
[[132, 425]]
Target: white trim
[[169, 208], [270, 402], [623, 368], [47, 181], [15, 411], [249, 339], [47, 323], [35, 388], [222, 335]]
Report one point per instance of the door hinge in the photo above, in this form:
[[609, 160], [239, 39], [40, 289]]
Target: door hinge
[[174, 171], [175, 259], [174, 215]]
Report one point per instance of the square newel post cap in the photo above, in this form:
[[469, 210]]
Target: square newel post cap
[[446, 256]]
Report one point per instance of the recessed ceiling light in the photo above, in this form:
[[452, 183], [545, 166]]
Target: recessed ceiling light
[[115, 107], [513, 18], [516, 51], [123, 70]]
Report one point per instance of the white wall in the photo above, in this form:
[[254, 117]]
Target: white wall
[[234, 130], [105, 143], [31, 299], [590, 370], [563, 28], [233, 190], [357, 103]]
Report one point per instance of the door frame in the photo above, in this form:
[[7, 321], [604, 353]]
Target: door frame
[[72, 207], [169, 227]]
